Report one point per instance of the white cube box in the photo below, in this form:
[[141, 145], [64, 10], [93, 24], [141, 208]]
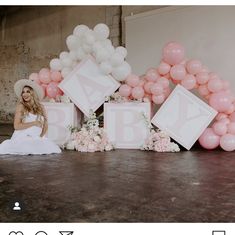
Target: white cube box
[[87, 86], [184, 116], [60, 116], [125, 124]]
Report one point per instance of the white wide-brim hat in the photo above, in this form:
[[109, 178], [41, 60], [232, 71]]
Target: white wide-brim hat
[[19, 85]]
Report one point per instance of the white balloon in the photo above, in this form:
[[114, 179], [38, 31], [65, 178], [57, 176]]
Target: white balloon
[[87, 48], [111, 49], [101, 31], [102, 55], [74, 64], [55, 64], [64, 54], [89, 37], [97, 46], [80, 53], [106, 67], [106, 42], [73, 55], [71, 42], [116, 59], [79, 30], [65, 71], [121, 72], [66, 62], [122, 51]]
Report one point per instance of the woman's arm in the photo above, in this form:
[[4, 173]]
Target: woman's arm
[[18, 124], [45, 123]]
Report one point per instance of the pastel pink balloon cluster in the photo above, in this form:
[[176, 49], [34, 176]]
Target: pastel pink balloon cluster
[[48, 80], [152, 86]]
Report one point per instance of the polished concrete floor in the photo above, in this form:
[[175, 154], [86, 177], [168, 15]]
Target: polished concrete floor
[[118, 186]]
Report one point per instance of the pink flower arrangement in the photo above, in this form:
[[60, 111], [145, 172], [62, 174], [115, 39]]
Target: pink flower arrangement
[[159, 141], [91, 138]]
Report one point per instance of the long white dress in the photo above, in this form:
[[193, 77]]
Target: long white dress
[[28, 141]]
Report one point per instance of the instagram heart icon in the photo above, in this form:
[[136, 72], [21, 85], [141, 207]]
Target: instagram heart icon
[[16, 233]]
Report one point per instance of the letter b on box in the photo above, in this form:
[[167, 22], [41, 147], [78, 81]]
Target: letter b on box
[[125, 124]]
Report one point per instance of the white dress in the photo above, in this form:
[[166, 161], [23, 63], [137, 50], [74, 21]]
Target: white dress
[[28, 141]]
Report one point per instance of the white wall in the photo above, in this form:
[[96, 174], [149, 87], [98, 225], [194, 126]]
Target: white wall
[[206, 32]]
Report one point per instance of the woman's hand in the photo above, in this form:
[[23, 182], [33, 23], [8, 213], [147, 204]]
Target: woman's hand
[[38, 124]]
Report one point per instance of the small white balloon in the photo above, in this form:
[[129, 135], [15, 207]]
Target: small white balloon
[[66, 62], [73, 55], [121, 72], [64, 54], [55, 64], [106, 42], [79, 30], [116, 59], [122, 51], [106, 67], [65, 71], [89, 37], [111, 49], [81, 54], [87, 48], [101, 31], [102, 55], [71, 42]]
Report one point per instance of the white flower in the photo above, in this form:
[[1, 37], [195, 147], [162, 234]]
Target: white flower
[[108, 147], [97, 139], [71, 145]]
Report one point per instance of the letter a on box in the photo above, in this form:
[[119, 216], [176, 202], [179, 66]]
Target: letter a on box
[[87, 86], [184, 116], [125, 124]]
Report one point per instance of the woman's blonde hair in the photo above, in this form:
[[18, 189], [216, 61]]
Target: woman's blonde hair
[[34, 106]]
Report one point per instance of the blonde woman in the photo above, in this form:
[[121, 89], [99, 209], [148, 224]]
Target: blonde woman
[[30, 123]]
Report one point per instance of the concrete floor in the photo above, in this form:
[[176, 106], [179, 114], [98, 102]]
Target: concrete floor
[[118, 186]]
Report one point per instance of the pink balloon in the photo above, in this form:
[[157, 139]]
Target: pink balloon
[[220, 101], [227, 142], [225, 120], [194, 66], [125, 90], [147, 86], [168, 76], [163, 68], [209, 140], [56, 76], [133, 80], [142, 82], [203, 91], [52, 90], [173, 53], [189, 82], [178, 72], [156, 89], [232, 117], [205, 69], [220, 128], [152, 75], [167, 92], [158, 99], [215, 85], [44, 87], [60, 92], [214, 75], [202, 78], [226, 84], [137, 92], [231, 109], [221, 116], [45, 76], [163, 81], [231, 128]]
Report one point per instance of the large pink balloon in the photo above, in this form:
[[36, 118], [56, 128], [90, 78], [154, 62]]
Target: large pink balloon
[[45, 76], [215, 85], [178, 72], [231, 128], [163, 68], [173, 53], [231, 109], [220, 101], [137, 92], [232, 117], [202, 78], [157, 89], [227, 142], [147, 86], [209, 140], [125, 90], [158, 99], [152, 75], [52, 90], [163, 81], [220, 116], [189, 82], [194, 66], [203, 90], [220, 128], [56, 76], [133, 80], [226, 84]]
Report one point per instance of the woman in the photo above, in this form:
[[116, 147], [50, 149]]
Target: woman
[[30, 123]]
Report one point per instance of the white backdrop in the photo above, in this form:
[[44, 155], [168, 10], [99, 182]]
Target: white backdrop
[[206, 32]]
